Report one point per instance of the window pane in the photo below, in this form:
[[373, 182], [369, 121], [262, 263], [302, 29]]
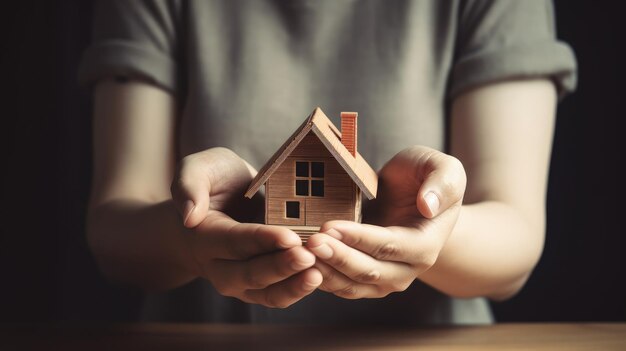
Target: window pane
[[302, 187], [317, 187], [317, 169], [302, 169], [292, 209]]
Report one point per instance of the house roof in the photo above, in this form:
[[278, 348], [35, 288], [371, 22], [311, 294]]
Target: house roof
[[357, 168]]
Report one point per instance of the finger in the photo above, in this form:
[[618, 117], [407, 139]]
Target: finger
[[355, 264], [407, 245], [259, 272], [440, 178], [378, 242], [213, 175], [221, 237], [443, 184], [190, 191], [339, 284], [286, 292]]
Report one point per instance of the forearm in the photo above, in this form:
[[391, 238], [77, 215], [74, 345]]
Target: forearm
[[141, 243], [502, 133], [491, 252]]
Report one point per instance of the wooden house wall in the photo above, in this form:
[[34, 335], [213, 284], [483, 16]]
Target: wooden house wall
[[339, 190]]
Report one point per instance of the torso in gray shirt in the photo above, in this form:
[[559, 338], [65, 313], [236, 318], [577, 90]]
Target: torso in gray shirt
[[247, 73]]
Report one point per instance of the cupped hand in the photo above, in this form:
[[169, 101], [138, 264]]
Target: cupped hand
[[418, 203], [256, 263]]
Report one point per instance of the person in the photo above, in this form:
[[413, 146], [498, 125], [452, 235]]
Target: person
[[456, 102]]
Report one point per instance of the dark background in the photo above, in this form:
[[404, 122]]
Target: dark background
[[47, 274]]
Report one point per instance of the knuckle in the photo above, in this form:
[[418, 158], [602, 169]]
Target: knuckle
[[427, 157], [348, 292], [327, 226], [341, 261], [352, 240], [326, 288], [368, 277], [386, 251]]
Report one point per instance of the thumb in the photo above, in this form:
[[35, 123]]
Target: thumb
[[443, 183], [190, 191]]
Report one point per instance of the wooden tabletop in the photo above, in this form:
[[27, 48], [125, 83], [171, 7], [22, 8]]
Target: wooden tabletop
[[577, 336]]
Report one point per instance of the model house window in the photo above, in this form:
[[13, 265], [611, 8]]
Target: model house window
[[292, 209], [309, 178]]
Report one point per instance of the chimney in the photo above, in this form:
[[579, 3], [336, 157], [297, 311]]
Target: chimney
[[348, 131]]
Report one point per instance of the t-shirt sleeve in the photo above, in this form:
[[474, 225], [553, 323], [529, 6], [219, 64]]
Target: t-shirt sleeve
[[134, 39], [509, 39]]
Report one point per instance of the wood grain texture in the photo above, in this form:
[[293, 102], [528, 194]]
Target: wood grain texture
[[339, 190], [304, 232], [349, 131], [318, 212], [276, 212], [310, 146], [180, 336]]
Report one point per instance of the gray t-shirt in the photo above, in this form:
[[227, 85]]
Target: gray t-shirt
[[247, 73]]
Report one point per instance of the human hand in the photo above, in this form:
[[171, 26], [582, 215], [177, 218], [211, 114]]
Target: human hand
[[419, 200], [256, 263]]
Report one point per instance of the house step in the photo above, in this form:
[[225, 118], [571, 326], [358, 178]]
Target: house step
[[304, 231]]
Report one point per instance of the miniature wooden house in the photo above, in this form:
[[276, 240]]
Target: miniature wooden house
[[317, 175]]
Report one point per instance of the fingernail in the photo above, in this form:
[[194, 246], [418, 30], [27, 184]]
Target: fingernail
[[189, 207], [334, 233], [432, 201], [322, 251]]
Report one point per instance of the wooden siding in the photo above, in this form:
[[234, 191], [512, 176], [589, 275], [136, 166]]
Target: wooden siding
[[339, 190], [310, 146], [276, 212], [320, 210]]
